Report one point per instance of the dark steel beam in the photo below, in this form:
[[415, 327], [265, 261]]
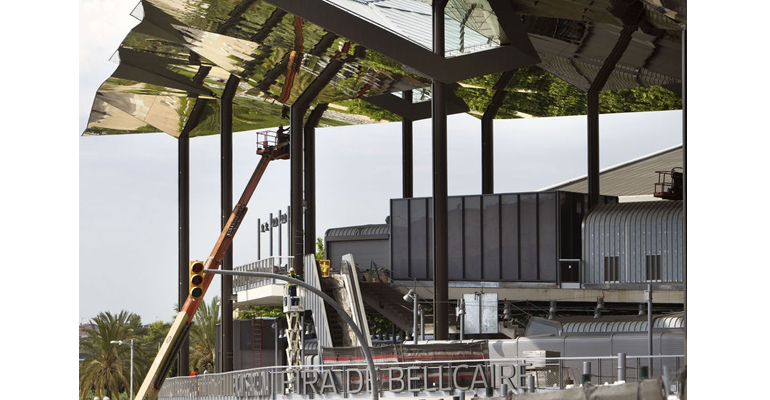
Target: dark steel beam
[[299, 178], [183, 198], [297, 207], [514, 32], [418, 111], [226, 173], [407, 151], [310, 187], [593, 111], [684, 182], [429, 63], [487, 133], [440, 211], [183, 206]]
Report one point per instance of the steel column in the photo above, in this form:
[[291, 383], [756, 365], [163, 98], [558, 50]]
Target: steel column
[[183, 206], [226, 161], [440, 235], [310, 234], [593, 147], [297, 186], [487, 134], [684, 182], [183, 190], [593, 111], [407, 153]]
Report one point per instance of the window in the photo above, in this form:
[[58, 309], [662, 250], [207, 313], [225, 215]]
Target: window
[[612, 269], [653, 268]]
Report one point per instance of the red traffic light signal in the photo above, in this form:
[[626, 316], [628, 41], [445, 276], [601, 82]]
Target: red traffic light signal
[[196, 279]]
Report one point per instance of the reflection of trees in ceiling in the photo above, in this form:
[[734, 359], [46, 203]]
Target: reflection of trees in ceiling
[[183, 52]]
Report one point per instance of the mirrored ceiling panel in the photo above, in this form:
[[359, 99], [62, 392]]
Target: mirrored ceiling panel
[[572, 38], [169, 61], [173, 66], [412, 20]]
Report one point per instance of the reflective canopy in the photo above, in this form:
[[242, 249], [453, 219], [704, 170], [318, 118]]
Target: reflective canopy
[[173, 66]]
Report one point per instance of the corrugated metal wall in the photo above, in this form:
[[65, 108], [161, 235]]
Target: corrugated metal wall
[[631, 243], [514, 237], [367, 243]]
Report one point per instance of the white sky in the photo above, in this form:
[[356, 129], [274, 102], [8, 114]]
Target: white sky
[[87, 204]]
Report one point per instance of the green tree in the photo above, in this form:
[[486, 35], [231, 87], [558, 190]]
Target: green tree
[[203, 335], [320, 253], [106, 371], [251, 312]]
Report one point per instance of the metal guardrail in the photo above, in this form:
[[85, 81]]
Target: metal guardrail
[[273, 265], [540, 375]]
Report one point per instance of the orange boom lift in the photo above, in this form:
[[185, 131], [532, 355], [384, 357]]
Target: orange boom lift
[[271, 146]]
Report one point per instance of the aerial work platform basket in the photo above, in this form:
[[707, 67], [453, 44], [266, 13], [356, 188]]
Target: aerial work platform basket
[[669, 184], [275, 142]]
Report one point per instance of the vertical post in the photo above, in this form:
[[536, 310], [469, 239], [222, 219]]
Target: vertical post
[[297, 187], [684, 182], [183, 187], [487, 156], [407, 153], [414, 319], [593, 146], [259, 236], [462, 319], [309, 132], [648, 295], [226, 151], [131, 385], [586, 376], [487, 133], [440, 236], [593, 110], [310, 189], [270, 224], [280, 236], [621, 367], [422, 324]]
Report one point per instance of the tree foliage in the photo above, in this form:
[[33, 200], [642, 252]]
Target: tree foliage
[[106, 370], [203, 335], [251, 312], [320, 253]]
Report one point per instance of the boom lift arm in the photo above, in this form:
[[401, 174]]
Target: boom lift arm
[[275, 149]]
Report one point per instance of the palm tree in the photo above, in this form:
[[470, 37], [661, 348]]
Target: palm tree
[[203, 335], [106, 370]]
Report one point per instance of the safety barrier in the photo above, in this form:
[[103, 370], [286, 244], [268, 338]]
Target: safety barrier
[[426, 379], [277, 265]]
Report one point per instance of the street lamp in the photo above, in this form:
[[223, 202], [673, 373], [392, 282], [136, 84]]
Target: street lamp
[[131, 342], [413, 296]]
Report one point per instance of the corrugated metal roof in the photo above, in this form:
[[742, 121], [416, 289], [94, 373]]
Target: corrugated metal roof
[[360, 232], [632, 178], [611, 324]]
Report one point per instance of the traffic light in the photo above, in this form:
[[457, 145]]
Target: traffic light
[[196, 279]]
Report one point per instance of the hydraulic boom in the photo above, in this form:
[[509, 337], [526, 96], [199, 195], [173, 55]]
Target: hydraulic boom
[[272, 150]]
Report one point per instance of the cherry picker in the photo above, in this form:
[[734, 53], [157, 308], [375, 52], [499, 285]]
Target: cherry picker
[[271, 146]]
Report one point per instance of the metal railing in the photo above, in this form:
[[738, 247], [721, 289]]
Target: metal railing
[[275, 265], [427, 378]]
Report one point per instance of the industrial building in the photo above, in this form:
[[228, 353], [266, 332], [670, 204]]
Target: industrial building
[[480, 272]]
